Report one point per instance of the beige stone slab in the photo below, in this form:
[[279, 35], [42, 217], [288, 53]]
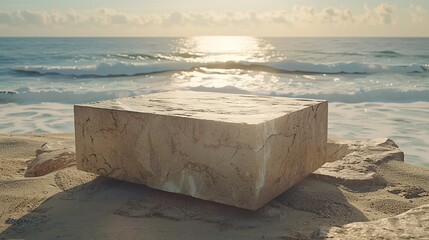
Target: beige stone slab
[[240, 150]]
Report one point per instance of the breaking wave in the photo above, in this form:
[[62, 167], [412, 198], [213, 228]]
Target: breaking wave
[[387, 53], [287, 66], [105, 69]]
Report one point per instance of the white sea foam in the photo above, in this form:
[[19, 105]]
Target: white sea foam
[[351, 67], [291, 66], [376, 87], [351, 121], [36, 118], [406, 124], [106, 69]]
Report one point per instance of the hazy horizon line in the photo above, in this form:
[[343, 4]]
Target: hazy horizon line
[[188, 36]]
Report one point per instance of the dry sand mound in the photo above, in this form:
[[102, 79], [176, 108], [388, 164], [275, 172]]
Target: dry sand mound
[[368, 182]]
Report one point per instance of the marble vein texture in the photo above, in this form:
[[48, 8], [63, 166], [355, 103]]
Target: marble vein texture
[[240, 150]]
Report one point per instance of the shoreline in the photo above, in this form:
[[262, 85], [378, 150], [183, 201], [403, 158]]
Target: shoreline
[[344, 122], [73, 204]]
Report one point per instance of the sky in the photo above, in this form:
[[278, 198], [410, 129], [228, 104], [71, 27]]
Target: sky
[[270, 18]]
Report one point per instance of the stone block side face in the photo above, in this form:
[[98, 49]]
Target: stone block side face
[[210, 160], [296, 146]]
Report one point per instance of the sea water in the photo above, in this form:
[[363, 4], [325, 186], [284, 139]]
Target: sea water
[[376, 87]]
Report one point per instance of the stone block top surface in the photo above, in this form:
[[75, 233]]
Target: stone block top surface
[[233, 108]]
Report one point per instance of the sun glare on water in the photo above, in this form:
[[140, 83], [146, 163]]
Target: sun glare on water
[[225, 48], [221, 60]]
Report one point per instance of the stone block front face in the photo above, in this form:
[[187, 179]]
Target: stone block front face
[[240, 150]]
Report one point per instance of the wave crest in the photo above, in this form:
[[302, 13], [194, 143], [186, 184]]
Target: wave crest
[[287, 66], [105, 69]]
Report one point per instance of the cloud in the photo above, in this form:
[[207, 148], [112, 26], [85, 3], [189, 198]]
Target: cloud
[[303, 13], [418, 13], [385, 13], [278, 17], [303, 19], [5, 18], [34, 18], [176, 18], [24, 17], [337, 15], [108, 17]]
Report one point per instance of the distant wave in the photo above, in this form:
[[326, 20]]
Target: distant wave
[[386, 53], [175, 56], [332, 53], [352, 54], [133, 56], [345, 68], [287, 66], [157, 56], [382, 53], [105, 69]]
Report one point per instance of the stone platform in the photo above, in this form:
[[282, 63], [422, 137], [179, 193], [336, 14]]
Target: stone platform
[[240, 150]]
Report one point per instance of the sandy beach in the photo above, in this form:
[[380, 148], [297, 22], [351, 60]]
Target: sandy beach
[[71, 204], [201, 120]]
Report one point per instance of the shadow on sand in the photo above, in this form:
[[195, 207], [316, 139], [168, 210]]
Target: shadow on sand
[[111, 209]]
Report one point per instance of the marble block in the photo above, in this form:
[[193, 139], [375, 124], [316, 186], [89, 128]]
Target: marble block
[[235, 149]]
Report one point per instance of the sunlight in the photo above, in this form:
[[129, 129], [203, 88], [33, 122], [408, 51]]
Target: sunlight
[[225, 44], [225, 48]]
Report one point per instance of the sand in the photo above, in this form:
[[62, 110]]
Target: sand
[[71, 204]]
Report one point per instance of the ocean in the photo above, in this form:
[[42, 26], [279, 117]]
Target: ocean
[[376, 87]]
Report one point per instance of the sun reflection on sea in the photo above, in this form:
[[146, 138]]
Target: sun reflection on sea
[[225, 48], [212, 51]]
